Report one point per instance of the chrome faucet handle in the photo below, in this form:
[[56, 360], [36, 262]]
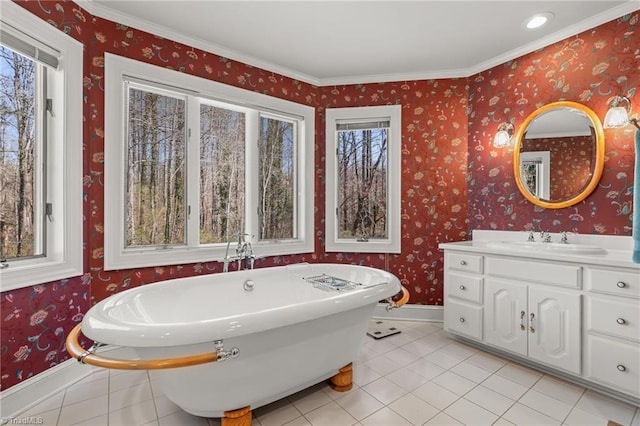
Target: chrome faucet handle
[[545, 237], [531, 236], [564, 238]]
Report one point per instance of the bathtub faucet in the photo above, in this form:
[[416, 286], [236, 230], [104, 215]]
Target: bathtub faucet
[[244, 253], [223, 355]]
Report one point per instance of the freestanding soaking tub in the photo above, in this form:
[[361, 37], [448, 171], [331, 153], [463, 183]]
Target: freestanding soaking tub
[[280, 329]]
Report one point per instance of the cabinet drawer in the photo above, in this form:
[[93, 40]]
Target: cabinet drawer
[[464, 262], [620, 282], [463, 318], [528, 270], [614, 363], [614, 316], [467, 287]]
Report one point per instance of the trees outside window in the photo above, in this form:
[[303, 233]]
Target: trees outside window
[[40, 151], [222, 173], [276, 204], [363, 183], [21, 183], [203, 163], [156, 169]]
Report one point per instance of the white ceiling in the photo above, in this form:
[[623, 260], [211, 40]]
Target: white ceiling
[[343, 42]]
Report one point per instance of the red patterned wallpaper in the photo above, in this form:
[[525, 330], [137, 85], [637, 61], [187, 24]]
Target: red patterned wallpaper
[[589, 68], [574, 157], [450, 173]]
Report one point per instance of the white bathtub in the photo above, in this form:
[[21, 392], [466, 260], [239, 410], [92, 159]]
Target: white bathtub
[[291, 333]]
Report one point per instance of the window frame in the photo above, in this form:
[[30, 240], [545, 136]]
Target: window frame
[[117, 69], [391, 244], [63, 235]]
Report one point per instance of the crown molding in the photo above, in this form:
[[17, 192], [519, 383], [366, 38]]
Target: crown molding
[[587, 24], [386, 78], [164, 32], [155, 29]]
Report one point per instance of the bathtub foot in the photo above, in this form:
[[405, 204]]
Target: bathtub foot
[[240, 417], [342, 382]]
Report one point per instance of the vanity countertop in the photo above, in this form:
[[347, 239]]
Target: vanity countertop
[[618, 248]]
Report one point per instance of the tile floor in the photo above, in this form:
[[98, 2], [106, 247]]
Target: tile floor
[[417, 377]]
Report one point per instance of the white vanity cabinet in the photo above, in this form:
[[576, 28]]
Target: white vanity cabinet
[[576, 316], [464, 293], [537, 321], [613, 328]]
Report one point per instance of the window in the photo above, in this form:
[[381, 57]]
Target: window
[[190, 164], [155, 165], [40, 151], [363, 179]]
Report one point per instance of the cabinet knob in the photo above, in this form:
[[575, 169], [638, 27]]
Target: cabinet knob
[[462, 319], [621, 284], [621, 321], [462, 287], [464, 262], [621, 367]]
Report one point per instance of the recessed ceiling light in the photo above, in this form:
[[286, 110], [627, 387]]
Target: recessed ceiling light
[[538, 20]]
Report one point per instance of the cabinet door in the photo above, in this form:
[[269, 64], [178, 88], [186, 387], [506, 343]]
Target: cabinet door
[[554, 327], [506, 315]]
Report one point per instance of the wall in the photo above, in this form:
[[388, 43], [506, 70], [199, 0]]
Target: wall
[[433, 167], [589, 68], [574, 156], [435, 175]]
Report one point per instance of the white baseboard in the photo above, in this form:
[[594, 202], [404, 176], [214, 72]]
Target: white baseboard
[[29, 393], [410, 313]]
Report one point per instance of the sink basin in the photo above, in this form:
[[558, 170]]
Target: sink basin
[[563, 248]]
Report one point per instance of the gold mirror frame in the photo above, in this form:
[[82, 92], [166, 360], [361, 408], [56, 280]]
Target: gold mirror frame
[[599, 160]]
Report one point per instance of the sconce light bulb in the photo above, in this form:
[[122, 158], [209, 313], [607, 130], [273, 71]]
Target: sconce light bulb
[[618, 113], [503, 135], [616, 117], [501, 139]]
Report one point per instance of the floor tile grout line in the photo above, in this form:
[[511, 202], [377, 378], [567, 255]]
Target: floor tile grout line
[[534, 409], [109, 399], [62, 404], [153, 398], [478, 385], [393, 346]]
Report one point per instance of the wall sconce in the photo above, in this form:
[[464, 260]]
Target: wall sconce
[[503, 135], [618, 114]]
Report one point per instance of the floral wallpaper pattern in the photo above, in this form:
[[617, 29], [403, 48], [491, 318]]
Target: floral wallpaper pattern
[[589, 68], [453, 180], [572, 158]]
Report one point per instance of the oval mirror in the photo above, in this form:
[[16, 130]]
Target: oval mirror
[[559, 154]]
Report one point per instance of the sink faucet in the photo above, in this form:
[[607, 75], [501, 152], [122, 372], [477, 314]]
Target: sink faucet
[[564, 238], [531, 237], [545, 237]]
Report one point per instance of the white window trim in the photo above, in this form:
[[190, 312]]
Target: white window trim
[[392, 243], [115, 254], [63, 257]]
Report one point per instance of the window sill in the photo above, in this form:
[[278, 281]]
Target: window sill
[[177, 256], [19, 276]]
